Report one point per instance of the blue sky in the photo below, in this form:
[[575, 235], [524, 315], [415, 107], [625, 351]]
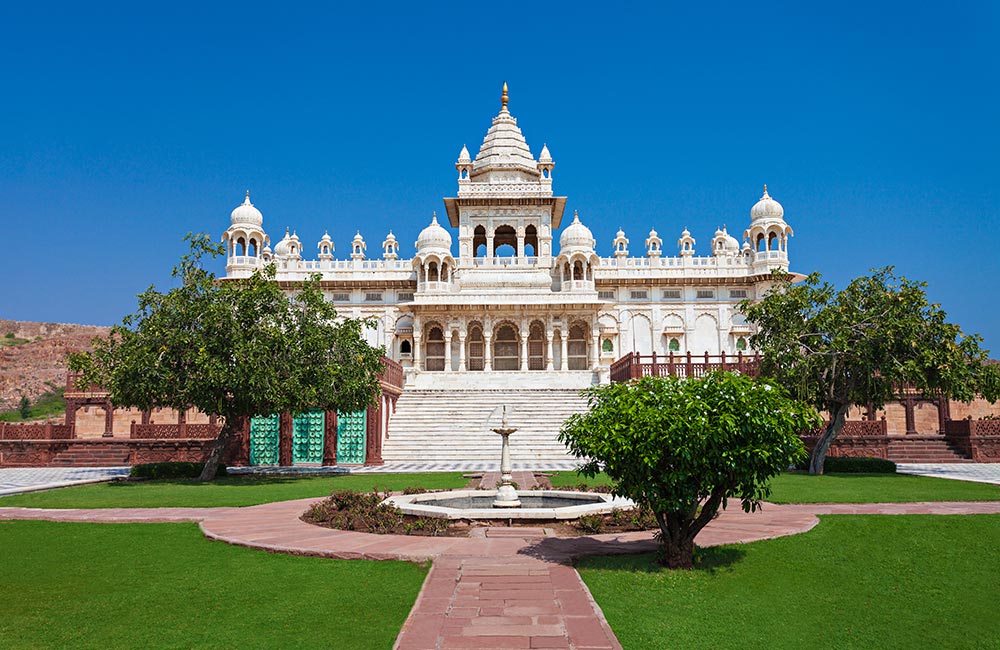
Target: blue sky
[[124, 127]]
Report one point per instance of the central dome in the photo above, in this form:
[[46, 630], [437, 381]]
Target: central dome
[[434, 237], [766, 208], [245, 214], [576, 236]]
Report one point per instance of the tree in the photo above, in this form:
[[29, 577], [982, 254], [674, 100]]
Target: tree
[[234, 349], [24, 407], [683, 447], [861, 345]]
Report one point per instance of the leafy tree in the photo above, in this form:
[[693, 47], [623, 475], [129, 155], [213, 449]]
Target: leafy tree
[[24, 407], [861, 345], [683, 447], [234, 349]]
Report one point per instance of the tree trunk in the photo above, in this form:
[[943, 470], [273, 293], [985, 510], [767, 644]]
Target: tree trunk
[[829, 435], [677, 554], [218, 448]]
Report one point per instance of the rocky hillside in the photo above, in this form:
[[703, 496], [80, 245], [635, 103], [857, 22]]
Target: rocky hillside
[[33, 356]]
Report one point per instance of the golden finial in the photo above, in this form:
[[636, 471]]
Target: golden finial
[[765, 189], [503, 97]]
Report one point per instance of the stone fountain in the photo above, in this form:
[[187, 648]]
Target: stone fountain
[[506, 496]]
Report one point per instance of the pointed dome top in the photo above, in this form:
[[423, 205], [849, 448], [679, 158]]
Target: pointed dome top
[[434, 237], [390, 237], [576, 236], [326, 237], [504, 146], [245, 214], [766, 208], [287, 247], [463, 156], [545, 156]]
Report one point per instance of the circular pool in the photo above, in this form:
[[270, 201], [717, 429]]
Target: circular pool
[[538, 505]]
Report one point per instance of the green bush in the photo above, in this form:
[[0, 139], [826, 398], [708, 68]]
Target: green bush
[[171, 470], [843, 465]]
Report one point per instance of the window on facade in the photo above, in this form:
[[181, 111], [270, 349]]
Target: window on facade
[[639, 294], [340, 297], [738, 293], [406, 295], [671, 294], [705, 294], [405, 347], [606, 295], [373, 297], [608, 345], [577, 347], [474, 356], [674, 345], [435, 349], [506, 349], [536, 346], [741, 344]]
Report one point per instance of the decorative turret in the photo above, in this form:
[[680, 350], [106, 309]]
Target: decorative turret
[[545, 163], [686, 243], [576, 237], [434, 238], [390, 247], [768, 233], [289, 248], [464, 164], [577, 259], [620, 244], [433, 262], [724, 244], [245, 237], [358, 247], [325, 247], [654, 245]]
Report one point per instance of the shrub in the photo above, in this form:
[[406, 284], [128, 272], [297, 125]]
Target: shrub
[[593, 524], [843, 465], [171, 470], [414, 489]]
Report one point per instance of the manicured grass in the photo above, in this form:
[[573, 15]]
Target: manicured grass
[[165, 586], [866, 582], [228, 491], [849, 488], [876, 488]]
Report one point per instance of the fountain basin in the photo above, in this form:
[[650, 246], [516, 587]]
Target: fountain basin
[[538, 505]]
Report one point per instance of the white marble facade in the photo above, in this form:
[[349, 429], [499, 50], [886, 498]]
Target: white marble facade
[[511, 301]]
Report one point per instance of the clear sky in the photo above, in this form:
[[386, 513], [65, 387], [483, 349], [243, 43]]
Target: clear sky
[[124, 127]]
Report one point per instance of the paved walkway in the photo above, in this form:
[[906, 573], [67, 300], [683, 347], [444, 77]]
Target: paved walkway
[[14, 480], [503, 587], [977, 472]]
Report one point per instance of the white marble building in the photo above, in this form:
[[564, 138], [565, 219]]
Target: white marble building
[[505, 307]]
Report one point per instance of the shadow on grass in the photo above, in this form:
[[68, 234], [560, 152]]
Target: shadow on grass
[[709, 560], [228, 481]]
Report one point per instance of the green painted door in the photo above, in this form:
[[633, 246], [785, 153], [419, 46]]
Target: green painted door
[[307, 437], [351, 434], [264, 440]]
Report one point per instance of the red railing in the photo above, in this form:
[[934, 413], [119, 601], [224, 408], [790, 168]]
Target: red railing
[[43, 431], [173, 431], [635, 365], [392, 375]]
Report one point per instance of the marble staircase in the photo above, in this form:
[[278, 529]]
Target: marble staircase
[[454, 426]]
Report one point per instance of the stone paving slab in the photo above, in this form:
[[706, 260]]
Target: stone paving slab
[[976, 472], [16, 480]]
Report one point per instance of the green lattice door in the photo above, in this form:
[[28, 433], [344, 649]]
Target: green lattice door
[[351, 433], [307, 437], [264, 440]]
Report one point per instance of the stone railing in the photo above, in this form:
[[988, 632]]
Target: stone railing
[[45, 431], [392, 374], [173, 431], [635, 365], [977, 439]]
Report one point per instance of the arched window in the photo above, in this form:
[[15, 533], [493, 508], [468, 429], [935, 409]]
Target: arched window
[[253, 248], [771, 242], [241, 246], [578, 270], [479, 242], [536, 346], [405, 348], [577, 347], [674, 345], [530, 241], [741, 344], [608, 345], [505, 242], [475, 355], [432, 272], [506, 348], [760, 242], [435, 349]]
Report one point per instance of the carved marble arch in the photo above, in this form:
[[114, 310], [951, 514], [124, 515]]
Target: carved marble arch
[[475, 344], [241, 246], [531, 239], [536, 345], [479, 239], [576, 348], [434, 347], [504, 235], [506, 347]]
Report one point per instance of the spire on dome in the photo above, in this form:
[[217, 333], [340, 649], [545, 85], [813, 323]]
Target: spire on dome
[[504, 98], [246, 201]]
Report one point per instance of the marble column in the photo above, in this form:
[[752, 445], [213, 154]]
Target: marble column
[[447, 350], [548, 350], [524, 352], [487, 351], [597, 349], [461, 352], [416, 352], [564, 360]]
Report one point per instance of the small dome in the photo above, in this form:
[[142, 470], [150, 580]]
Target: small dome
[[729, 243], [434, 237], [326, 237], [766, 208], [545, 156], [390, 237], [620, 234], [576, 236], [463, 157], [288, 246], [246, 215]]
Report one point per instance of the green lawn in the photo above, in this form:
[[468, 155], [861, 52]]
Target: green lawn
[[228, 491], [866, 582], [850, 488], [165, 586]]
